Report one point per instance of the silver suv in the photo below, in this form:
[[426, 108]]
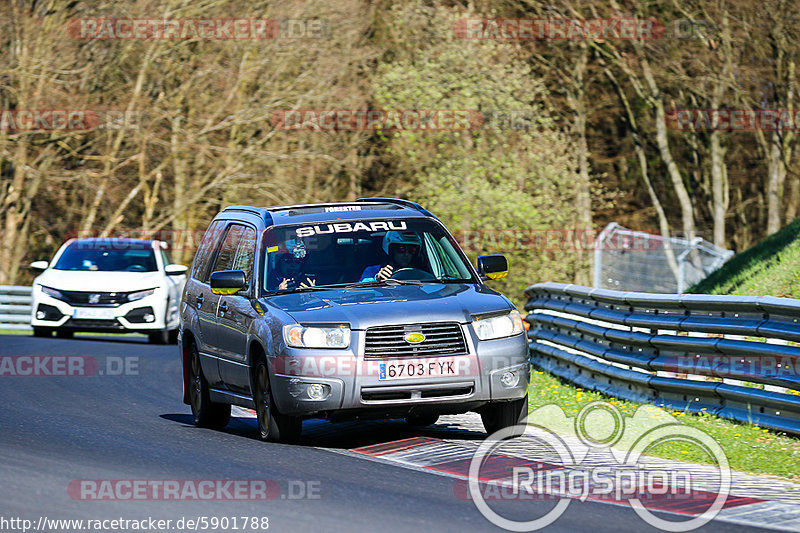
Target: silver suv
[[367, 309]]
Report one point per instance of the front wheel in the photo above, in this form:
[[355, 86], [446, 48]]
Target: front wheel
[[42, 332], [501, 415], [272, 425], [206, 413]]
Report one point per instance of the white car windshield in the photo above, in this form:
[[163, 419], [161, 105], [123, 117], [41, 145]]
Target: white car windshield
[[339, 253], [108, 256]]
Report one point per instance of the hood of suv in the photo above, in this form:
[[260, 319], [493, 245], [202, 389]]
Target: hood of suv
[[96, 281], [366, 307]]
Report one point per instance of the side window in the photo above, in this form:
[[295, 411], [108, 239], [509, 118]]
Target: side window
[[227, 251], [246, 254], [207, 245]]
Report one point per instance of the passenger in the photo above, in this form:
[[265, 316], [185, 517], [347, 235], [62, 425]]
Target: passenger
[[401, 248], [288, 272]]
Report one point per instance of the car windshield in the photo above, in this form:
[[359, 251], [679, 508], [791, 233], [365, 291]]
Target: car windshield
[[361, 252], [108, 256]]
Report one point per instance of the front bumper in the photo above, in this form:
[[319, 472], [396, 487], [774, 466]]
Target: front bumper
[[351, 383], [123, 318]]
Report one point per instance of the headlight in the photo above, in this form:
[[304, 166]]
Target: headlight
[[138, 295], [52, 292], [498, 326], [315, 337]]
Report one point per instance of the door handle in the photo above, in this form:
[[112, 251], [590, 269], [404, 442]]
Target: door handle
[[199, 300]]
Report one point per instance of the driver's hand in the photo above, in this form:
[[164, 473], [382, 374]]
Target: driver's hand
[[284, 284], [384, 273], [308, 283]]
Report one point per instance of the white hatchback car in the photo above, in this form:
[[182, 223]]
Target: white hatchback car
[[111, 286]]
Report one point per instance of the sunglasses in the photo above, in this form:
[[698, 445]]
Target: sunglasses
[[406, 248]]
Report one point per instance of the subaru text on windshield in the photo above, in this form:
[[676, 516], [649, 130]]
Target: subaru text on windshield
[[367, 309]]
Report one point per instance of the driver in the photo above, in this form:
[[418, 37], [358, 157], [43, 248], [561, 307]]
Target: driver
[[401, 248], [288, 273]]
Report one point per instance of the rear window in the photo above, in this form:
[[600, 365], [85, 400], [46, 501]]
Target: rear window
[[108, 256]]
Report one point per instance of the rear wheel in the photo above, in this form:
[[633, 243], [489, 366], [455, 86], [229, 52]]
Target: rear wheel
[[272, 425], [206, 413], [422, 420], [501, 415]]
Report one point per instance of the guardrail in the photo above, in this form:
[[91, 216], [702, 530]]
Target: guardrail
[[737, 357], [15, 307]]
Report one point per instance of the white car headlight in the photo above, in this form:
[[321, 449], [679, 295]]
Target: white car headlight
[[316, 337], [138, 295], [498, 326], [53, 293]]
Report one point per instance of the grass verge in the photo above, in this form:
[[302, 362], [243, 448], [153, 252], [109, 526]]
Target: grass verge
[[749, 448]]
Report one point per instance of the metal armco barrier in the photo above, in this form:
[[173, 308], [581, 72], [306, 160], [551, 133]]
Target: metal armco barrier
[[15, 307], [683, 351]]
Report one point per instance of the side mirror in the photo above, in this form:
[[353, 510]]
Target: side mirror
[[39, 265], [227, 281], [492, 266], [175, 270]]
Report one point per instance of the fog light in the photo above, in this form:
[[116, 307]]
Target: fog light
[[40, 315], [317, 391], [509, 379], [149, 317]]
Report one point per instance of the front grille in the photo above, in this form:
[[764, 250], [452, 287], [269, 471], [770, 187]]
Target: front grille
[[106, 299], [92, 323], [377, 395], [443, 338]]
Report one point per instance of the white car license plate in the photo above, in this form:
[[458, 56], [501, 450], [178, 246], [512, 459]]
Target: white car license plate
[[418, 368], [92, 312]]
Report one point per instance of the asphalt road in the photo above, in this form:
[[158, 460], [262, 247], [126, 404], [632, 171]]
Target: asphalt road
[[119, 424]]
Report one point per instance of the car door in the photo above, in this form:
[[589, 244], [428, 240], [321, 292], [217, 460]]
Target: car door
[[198, 296], [234, 314]]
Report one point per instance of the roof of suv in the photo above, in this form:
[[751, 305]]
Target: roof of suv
[[305, 213]]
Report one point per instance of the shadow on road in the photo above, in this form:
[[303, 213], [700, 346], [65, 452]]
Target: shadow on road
[[348, 435]]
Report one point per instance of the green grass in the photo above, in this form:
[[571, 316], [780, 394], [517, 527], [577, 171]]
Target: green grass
[[770, 267], [749, 448]]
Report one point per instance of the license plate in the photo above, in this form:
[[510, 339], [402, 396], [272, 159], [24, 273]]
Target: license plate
[[418, 368], [96, 313]]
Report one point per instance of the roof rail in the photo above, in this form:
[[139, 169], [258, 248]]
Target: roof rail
[[258, 211], [248, 208], [398, 201]]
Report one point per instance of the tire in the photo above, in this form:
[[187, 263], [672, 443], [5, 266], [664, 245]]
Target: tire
[[158, 337], [206, 413], [64, 334], [500, 415], [164, 336], [42, 332], [272, 425], [422, 420]]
